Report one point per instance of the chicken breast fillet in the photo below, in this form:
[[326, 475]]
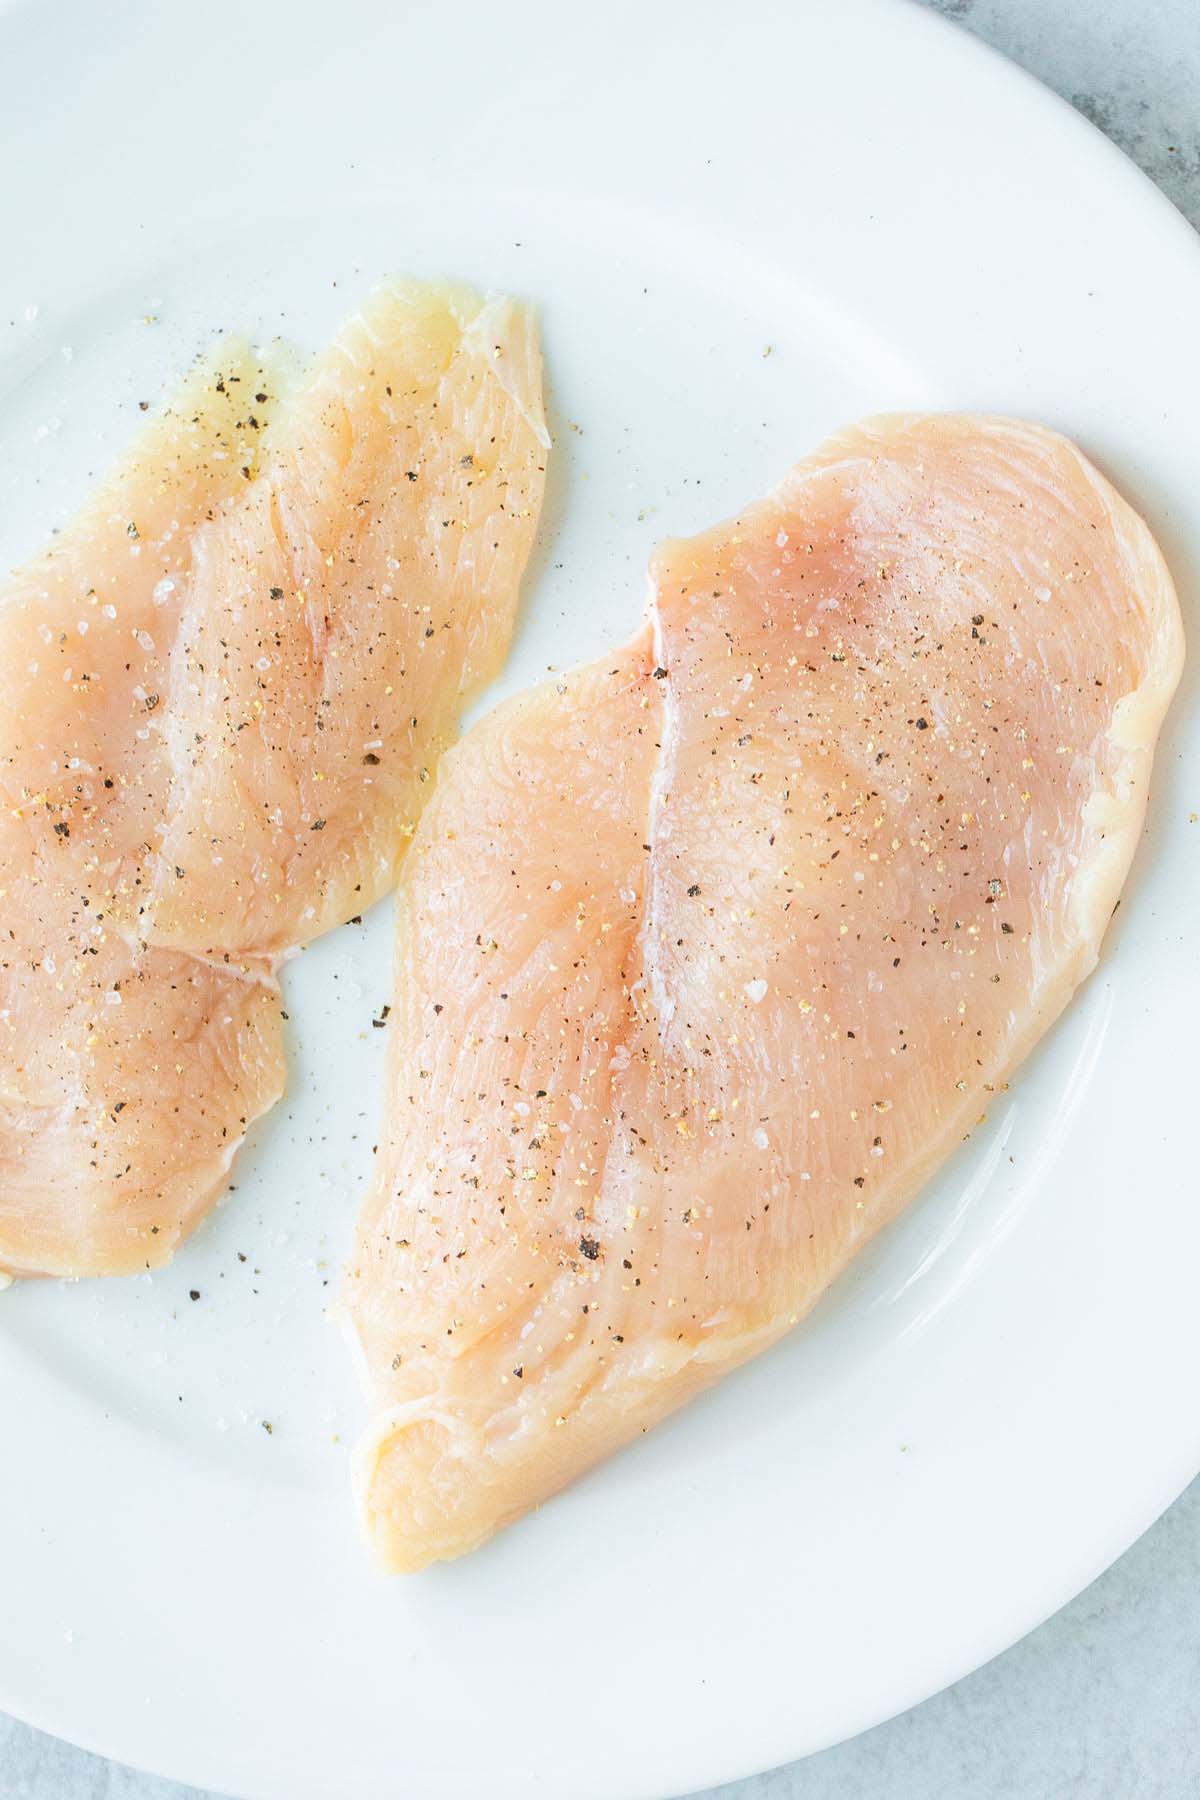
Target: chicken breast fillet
[[709, 953]]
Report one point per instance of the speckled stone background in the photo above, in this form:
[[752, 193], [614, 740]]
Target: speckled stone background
[[1103, 1703]]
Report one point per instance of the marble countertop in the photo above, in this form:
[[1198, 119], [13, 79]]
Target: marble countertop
[[1103, 1702]]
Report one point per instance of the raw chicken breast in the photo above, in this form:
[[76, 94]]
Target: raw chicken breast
[[709, 953], [222, 691]]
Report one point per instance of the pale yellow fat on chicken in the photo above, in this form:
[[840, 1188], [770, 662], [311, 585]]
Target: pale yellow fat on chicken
[[710, 952]]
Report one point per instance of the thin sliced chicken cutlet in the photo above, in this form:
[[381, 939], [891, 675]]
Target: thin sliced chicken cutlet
[[127, 1073], [221, 694], [341, 616], [709, 954]]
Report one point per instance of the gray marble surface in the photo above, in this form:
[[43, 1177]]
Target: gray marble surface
[[1103, 1703]]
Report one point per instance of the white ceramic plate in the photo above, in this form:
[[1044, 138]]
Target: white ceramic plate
[[1001, 1395]]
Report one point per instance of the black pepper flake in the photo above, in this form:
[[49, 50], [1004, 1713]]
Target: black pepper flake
[[63, 829], [193, 1293], [660, 674], [371, 760], [519, 1371], [693, 890], [590, 1247], [859, 1180], [318, 825], [922, 724], [277, 593]]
